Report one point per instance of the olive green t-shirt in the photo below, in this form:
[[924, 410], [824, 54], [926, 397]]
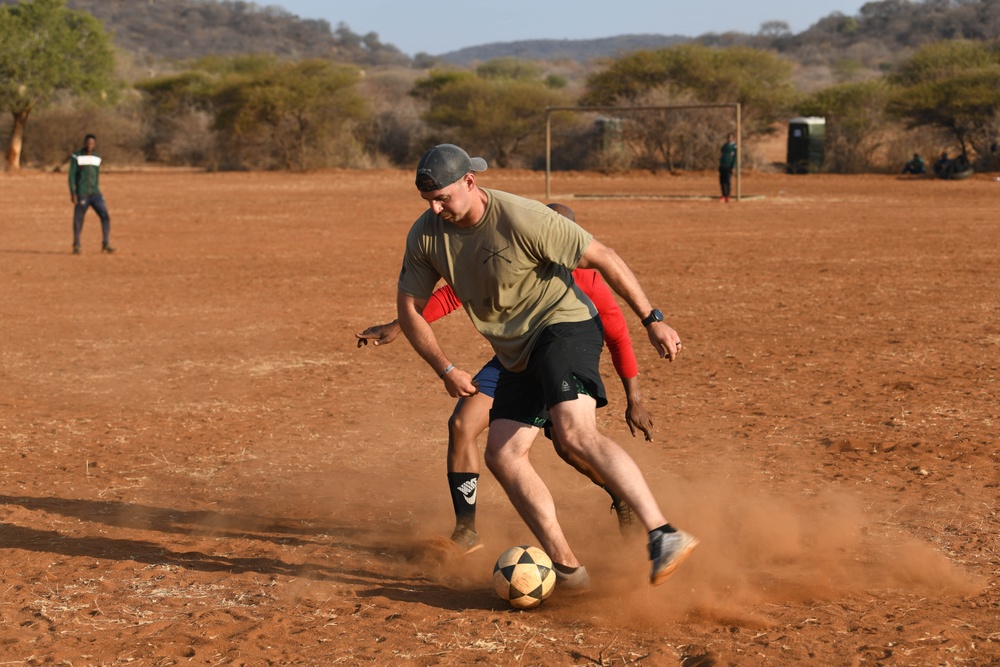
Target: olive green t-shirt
[[512, 271]]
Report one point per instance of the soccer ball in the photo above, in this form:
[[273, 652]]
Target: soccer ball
[[523, 576]]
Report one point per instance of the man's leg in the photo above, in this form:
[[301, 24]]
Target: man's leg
[[507, 449], [626, 518], [470, 418], [575, 424], [97, 201], [578, 463], [79, 211]]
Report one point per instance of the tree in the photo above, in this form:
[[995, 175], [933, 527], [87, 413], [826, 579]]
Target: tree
[[46, 48], [759, 80], [293, 115], [953, 85], [500, 109], [262, 113], [775, 29], [856, 123], [688, 74]]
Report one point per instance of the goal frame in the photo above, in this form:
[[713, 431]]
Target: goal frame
[[674, 107]]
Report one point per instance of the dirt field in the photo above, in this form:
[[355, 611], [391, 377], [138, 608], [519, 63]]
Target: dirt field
[[201, 468]]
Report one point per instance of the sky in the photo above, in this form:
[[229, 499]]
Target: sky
[[436, 28]]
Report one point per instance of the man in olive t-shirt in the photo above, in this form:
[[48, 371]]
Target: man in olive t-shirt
[[510, 261]]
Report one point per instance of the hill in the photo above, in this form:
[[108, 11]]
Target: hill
[[880, 35], [577, 50], [182, 29]]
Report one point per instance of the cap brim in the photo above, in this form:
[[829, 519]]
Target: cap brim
[[478, 164]]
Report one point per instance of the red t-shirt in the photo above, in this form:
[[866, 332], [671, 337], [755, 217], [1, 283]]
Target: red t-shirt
[[444, 300]]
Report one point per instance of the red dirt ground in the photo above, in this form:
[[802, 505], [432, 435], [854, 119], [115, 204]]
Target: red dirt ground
[[201, 467]]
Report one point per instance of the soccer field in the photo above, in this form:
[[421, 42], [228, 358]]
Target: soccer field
[[201, 467]]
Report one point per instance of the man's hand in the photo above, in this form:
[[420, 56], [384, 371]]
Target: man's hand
[[638, 419], [73, 199], [664, 339], [459, 383], [380, 334]]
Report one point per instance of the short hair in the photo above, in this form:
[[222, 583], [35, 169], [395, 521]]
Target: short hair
[[563, 210], [89, 136]]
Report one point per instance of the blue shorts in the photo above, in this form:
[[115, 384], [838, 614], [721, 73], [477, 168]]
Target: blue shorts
[[487, 376]]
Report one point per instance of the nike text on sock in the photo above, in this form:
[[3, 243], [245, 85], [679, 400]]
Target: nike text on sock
[[463, 487]]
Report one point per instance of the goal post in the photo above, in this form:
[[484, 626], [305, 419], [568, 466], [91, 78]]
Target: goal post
[[734, 106]]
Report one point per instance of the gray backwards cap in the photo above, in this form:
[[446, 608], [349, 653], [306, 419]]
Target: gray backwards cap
[[443, 165]]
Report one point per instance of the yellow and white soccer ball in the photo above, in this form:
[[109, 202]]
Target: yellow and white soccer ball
[[523, 576]]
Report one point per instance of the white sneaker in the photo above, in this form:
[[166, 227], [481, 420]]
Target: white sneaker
[[667, 551]]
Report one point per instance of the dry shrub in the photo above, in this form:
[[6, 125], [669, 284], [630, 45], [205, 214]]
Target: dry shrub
[[396, 135], [185, 139], [53, 134]]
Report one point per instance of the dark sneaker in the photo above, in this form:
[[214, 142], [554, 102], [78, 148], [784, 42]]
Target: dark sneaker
[[76, 250], [626, 517], [466, 539], [107, 248], [577, 580], [667, 551]]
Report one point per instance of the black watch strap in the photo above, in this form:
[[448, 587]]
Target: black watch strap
[[655, 316]]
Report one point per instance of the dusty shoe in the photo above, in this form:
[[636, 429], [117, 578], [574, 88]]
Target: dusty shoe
[[466, 540], [107, 249], [626, 517], [667, 551], [76, 250], [577, 580]]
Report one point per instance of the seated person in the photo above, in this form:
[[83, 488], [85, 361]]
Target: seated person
[[915, 166], [942, 165]]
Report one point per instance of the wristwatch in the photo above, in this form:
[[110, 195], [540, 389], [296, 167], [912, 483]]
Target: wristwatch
[[655, 316]]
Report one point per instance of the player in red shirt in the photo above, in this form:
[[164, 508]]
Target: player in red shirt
[[471, 415]]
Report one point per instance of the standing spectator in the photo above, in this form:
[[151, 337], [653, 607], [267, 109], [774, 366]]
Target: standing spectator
[[727, 163], [84, 192]]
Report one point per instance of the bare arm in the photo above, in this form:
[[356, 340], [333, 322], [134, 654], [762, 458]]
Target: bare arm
[[636, 415], [421, 337], [442, 301], [616, 273]]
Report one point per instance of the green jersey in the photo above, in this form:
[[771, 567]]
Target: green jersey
[[727, 160], [84, 174], [512, 270]]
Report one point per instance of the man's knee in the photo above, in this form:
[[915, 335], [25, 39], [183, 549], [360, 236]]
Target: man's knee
[[500, 454], [460, 427], [494, 459], [576, 441]]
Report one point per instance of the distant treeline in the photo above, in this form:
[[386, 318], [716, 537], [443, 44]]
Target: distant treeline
[[231, 85], [883, 33]]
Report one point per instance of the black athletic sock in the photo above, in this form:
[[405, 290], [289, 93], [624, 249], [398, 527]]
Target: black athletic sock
[[665, 528], [463, 497]]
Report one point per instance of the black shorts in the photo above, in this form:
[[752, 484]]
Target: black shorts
[[564, 364]]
